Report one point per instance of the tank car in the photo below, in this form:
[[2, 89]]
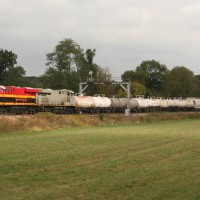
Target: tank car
[[84, 104], [102, 104], [185, 105], [143, 104], [164, 104], [196, 102], [134, 105], [118, 105], [154, 104]]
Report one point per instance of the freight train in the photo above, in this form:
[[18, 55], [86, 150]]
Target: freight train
[[30, 100]]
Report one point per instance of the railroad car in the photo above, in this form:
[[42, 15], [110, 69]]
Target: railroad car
[[102, 104], [196, 102], [118, 105], [84, 104], [56, 101], [88, 104], [18, 100]]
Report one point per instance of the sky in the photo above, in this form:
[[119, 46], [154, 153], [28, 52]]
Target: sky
[[123, 32]]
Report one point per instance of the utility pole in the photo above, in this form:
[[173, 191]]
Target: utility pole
[[127, 89]]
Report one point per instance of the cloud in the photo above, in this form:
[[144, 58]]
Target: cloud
[[123, 32], [192, 9]]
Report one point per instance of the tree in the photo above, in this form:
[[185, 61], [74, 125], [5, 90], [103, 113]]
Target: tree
[[198, 77], [64, 65], [32, 81], [15, 76], [154, 76], [7, 61], [181, 82], [137, 89], [128, 75], [197, 85], [137, 76], [67, 65], [65, 57], [87, 65]]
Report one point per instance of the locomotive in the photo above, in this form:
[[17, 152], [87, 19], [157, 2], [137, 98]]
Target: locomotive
[[30, 100], [18, 100], [56, 101]]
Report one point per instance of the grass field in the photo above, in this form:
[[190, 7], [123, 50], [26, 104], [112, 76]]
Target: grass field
[[159, 160]]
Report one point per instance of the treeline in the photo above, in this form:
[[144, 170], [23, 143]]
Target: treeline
[[68, 65], [154, 79]]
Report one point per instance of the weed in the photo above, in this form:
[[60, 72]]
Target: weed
[[47, 121], [101, 116]]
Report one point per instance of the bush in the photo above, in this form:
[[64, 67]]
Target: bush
[[101, 116]]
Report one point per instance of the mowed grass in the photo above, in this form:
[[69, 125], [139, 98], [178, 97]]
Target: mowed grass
[[147, 161]]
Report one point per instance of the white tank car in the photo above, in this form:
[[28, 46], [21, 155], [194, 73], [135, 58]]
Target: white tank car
[[164, 103], [153, 103], [180, 104], [84, 102], [101, 102], [142, 103], [173, 103], [196, 102], [190, 103]]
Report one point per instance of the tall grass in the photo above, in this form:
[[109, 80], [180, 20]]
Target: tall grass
[[49, 121]]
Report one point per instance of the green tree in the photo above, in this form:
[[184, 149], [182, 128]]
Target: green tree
[[138, 76], [181, 82], [64, 65], [154, 76], [198, 77], [67, 65], [32, 81], [121, 93], [65, 57], [15, 76], [128, 75], [138, 81], [197, 86], [87, 65], [137, 89], [7, 61]]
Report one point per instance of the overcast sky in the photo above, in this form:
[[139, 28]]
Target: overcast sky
[[123, 32]]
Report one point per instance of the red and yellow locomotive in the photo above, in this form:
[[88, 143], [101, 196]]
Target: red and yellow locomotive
[[18, 100]]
